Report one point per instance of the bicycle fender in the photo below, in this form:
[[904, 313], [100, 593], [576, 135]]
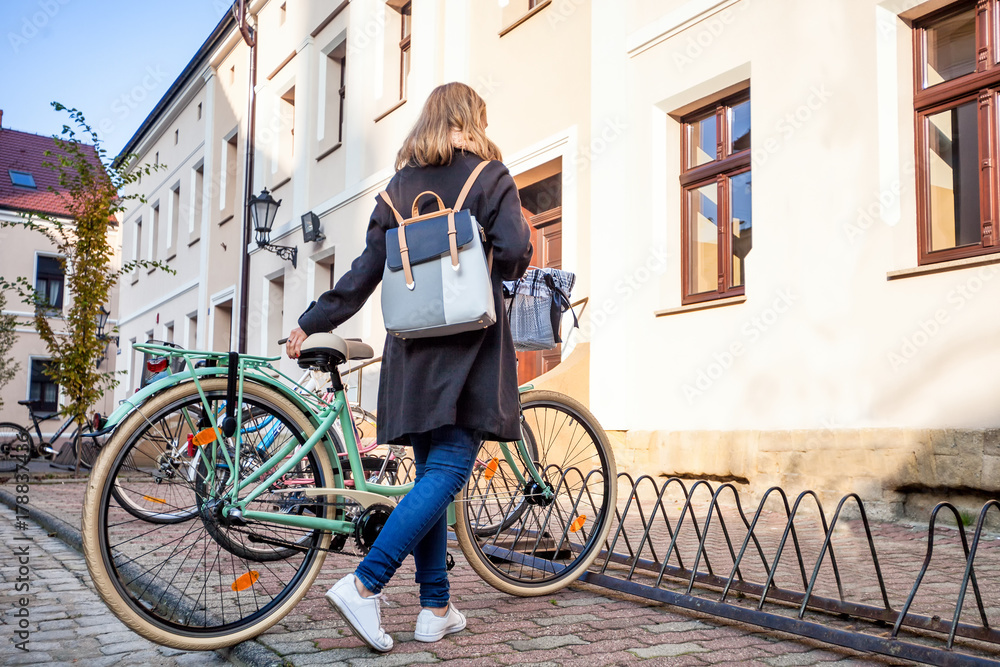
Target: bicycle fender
[[129, 405]]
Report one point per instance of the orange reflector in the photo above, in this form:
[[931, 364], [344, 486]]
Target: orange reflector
[[155, 500], [491, 469], [204, 437], [245, 581], [578, 523]]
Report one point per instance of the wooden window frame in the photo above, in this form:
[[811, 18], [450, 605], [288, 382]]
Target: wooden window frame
[[982, 87], [720, 171]]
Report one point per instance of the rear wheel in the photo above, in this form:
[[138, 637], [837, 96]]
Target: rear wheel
[[15, 446], [178, 583], [156, 481], [530, 539]]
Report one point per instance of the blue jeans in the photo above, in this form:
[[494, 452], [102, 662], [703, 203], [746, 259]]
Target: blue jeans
[[419, 524]]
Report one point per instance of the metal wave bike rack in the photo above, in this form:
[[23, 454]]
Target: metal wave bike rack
[[784, 568]]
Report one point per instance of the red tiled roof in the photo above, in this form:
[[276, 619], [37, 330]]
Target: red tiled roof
[[23, 151]]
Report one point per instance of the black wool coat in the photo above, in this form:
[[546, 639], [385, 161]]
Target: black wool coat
[[467, 379]]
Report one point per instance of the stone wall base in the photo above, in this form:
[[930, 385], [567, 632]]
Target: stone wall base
[[897, 472]]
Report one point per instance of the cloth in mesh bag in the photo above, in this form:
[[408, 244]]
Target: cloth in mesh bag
[[535, 305]]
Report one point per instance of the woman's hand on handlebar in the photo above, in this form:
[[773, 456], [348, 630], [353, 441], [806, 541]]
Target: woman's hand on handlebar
[[293, 344]]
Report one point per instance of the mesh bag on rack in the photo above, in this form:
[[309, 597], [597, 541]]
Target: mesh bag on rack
[[535, 305]]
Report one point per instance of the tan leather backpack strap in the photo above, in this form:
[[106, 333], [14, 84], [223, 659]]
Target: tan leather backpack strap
[[468, 184], [404, 254], [453, 240], [385, 195]]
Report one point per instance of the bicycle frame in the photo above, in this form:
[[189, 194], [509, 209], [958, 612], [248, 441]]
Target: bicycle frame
[[323, 416]]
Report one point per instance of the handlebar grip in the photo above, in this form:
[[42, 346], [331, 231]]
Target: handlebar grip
[[282, 341]]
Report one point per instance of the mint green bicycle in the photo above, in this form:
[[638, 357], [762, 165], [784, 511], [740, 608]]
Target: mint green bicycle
[[223, 489]]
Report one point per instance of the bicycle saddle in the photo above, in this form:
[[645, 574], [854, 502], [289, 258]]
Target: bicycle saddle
[[327, 350], [28, 402]]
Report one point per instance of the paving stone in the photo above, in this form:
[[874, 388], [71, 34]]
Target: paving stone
[[125, 647], [566, 620], [676, 626], [27, 658], [667, 650], [546, 643], [792, 659], [394, 660]]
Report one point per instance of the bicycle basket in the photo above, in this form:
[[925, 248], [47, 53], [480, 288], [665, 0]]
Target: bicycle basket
[[156, 366], [535, 305]]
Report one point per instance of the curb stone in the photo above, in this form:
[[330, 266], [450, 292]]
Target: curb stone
[[245, 654]]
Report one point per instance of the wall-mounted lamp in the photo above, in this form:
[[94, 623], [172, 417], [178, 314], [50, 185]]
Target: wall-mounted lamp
[[264, 210], [101, 322], [311, 230]]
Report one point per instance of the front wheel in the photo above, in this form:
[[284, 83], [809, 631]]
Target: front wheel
[[180, 583], [526, 538]]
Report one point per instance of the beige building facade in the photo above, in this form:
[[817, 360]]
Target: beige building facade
[[842, 342]]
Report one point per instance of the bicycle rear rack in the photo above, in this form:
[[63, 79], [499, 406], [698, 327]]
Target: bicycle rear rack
[[696, 548]]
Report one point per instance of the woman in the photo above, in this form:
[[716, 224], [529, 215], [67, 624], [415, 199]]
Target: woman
[[443, 396]]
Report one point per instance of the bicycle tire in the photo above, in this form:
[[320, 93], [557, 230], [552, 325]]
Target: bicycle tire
[[156, 593], [255, 450], [554, 540], [175, 498], [16, 446], [488, 474]]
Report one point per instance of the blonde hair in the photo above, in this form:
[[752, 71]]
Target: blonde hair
[[453, 106]]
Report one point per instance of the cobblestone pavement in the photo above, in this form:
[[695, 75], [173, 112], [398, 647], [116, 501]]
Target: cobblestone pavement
[[582, 625], [67, 623]]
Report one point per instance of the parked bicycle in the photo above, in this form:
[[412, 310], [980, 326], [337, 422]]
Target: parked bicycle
[[16, 440], [266, 514]]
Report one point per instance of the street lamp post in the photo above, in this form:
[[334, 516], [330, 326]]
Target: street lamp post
[[250, 37]]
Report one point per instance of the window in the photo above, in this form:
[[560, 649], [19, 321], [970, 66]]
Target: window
[[958, 80], [716, 218], [42, 388], [405, 22], [49, 281], [22, 178], [154, 231], [229, 186], [137, 248], [177, 136], [331, 122], [173, 223], [197, 193], [199, 110], [284, 140]]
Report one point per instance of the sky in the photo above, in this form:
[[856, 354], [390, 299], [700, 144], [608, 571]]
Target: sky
[[111, 59]]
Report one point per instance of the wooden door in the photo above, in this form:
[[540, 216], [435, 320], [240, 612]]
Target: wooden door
[[546, 239]]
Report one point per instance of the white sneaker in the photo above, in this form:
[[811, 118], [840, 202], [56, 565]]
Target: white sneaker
[[363, 615], [431, 628]]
